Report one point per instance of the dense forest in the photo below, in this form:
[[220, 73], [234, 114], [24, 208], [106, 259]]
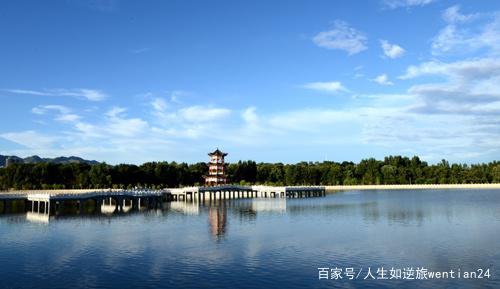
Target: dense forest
[[392, 170]]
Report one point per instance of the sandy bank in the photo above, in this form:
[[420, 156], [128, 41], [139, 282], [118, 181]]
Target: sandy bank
[[413, 187]]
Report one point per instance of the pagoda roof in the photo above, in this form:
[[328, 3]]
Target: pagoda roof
[[217, 152]]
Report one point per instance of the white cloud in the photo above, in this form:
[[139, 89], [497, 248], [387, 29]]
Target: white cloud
[[309, 120], [27, 91], [177, 95], [249, 116], [62, 113], [332, 86], [382, 79], [464, 69], [453, 15], [83, 93], [389, 120], [202, 114], [43, 109], [464, 34], [114, 112], [116, 124], [393, 4], [159, 104], [30, 139], [456, 115], [342, 37], [391, 50], [70, 117], [89, 94]]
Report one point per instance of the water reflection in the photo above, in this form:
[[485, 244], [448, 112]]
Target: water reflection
[[373, 207], [251, 243], [217, 217]]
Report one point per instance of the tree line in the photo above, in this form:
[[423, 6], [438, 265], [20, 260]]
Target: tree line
[[392, 170]]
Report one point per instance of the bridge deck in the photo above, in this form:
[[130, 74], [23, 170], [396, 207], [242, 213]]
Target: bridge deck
[[193, 193]]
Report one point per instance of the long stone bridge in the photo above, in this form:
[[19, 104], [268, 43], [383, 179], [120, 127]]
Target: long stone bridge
[[117, 200], [237, 192]]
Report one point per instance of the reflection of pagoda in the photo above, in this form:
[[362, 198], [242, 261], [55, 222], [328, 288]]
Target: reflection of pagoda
[[216, 172], [218, 220]]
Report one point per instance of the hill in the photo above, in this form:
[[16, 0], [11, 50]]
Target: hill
[[36, 159]]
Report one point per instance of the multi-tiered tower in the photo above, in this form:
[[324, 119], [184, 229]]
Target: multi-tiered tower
[[216, 171]]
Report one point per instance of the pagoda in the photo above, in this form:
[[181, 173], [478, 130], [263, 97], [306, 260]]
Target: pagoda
[[216, 171]]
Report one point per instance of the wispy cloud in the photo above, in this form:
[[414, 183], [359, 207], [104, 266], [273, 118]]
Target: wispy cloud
[[393, 4], [464, 34], [342, 37], [470, 87], [140, 50], [159, 104], [82, 93], [63, 113], [199, 113], [31, 139], [331, 86], [392, 50], [453, 15], [42, 109]]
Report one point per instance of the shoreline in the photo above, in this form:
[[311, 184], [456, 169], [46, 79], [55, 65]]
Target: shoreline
[[413, 187], [327, 188]]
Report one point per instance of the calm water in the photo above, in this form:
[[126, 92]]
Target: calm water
[[260, 243]]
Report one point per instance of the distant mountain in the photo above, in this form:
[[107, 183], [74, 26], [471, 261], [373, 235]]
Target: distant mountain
[[37, 159]]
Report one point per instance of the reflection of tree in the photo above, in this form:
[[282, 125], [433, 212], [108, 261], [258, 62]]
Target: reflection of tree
[[247, 214], [218, 221]]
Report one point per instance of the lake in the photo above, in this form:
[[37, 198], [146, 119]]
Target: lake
[[264, 243]]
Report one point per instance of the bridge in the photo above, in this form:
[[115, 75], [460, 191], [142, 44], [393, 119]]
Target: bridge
[[118, 200], [228, 192]]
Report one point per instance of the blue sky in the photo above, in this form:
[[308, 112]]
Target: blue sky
[[272, 81]]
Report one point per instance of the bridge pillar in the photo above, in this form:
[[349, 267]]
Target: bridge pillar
[[117, 204], [7, 206], [97, 205], [120, 202], [80, 206], [134, 204]]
